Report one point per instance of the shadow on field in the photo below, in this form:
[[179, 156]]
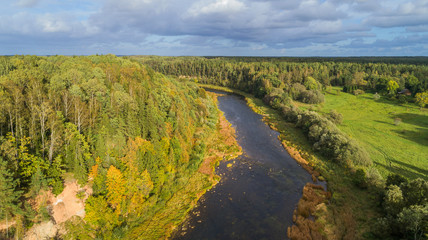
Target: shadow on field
[[419, 170], [414, 119], [397, 168], [393, 102], [420, 136], [389, 123]]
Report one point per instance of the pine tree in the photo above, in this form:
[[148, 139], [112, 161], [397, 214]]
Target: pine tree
[[9, 196]]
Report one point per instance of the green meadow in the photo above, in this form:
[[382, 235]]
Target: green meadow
[[395, 135]]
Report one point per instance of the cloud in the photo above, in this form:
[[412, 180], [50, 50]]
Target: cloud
[[401, 15], [27, 3], [216, 7], [205, 27]]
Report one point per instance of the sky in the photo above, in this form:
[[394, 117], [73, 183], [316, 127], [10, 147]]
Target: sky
[[215, 27]]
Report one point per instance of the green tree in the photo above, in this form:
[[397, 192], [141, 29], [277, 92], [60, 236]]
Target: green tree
[[100, 216], [9, 196], [415, 220], [77, 154], [55, 175], [394, 200]]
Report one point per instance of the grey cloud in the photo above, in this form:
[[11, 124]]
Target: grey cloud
[[410, 13], [27, 3], [206, 25]]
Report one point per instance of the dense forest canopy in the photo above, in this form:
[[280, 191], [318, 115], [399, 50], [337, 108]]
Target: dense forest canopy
[[134, 134]]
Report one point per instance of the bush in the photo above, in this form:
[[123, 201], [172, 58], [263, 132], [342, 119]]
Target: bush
[[300, 93], [360, 178], [357, 92], [376, 96], [395, 179], [397, 121], [276, 98], [311, 97], [373, 176], [295, 90], [335, 117], [290, 113], [402, 99], [330, 141]]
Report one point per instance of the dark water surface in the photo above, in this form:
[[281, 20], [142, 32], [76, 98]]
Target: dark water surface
[[256, 197]]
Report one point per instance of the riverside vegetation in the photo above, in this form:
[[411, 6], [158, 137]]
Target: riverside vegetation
[[348, 119], [137, 138]]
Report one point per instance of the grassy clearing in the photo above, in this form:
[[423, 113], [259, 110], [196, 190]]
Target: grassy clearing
[[396, 136]]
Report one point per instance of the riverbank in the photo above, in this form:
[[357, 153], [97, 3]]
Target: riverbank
[[220, 145], [352, 211]]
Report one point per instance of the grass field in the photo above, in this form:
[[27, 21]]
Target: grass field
[[399, 148]]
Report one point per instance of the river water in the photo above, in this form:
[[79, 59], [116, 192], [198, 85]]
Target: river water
[[257, 195]]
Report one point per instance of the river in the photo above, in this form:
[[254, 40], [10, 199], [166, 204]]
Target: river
[[257, 195]]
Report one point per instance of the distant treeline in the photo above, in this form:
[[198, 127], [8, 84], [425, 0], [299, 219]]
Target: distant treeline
[[260, 75], [420, 60]]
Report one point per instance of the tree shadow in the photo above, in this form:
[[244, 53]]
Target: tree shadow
[[383, 122], [421, 171], [394, 102], [405, 172], [420, 136], [414, 119]]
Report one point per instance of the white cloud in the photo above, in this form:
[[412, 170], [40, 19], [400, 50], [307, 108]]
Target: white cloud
[[50, 24], [218, 6]]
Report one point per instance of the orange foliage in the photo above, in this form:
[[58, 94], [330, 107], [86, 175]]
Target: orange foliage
[[304, 227]]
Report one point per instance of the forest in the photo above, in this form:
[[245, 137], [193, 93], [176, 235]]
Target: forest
[[137, 129], [390, 186], [131, 134]]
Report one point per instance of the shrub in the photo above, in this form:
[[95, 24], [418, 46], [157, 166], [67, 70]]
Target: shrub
[[397, 121], [290, 113], [402, 99], [357, 92], [394, 200], [276, 98], [311, 97], [300, 93], [295, 90], [327, 138], [335, 117], [395, 179], [376, 96], [373, 176], [360, 178]]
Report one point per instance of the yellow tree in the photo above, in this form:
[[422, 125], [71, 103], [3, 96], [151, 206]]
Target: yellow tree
[[116, 188], [422, 99], [138, 184]]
